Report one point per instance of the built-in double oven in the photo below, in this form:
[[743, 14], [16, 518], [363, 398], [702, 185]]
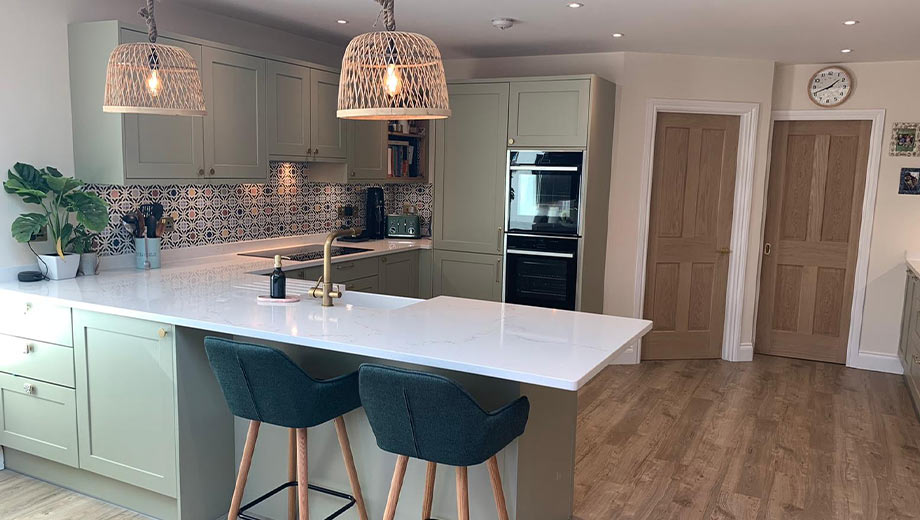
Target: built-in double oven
[[543, 228]]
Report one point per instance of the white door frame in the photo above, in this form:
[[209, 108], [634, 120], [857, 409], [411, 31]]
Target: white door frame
[[855, 359], [741, 212]]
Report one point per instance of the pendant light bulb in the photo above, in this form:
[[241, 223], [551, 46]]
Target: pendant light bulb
[[392, 81], [153, 83]]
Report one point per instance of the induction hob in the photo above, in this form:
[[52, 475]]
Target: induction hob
[[304, 253]]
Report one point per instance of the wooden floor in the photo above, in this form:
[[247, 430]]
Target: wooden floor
[[772, 439], [776, 438]]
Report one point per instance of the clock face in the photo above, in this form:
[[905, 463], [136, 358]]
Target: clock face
[[830, 87]]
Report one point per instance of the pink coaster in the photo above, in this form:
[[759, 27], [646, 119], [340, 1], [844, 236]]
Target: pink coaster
[[268, 300]]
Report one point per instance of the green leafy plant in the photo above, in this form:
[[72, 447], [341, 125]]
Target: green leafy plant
[[59, 198]]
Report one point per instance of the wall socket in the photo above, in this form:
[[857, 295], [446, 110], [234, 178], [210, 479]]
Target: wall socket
[[169, 224], [41, 236]]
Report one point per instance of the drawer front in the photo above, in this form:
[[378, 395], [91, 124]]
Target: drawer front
[[39, 321], [354, 269], [38, 418], [37, 360], [370, 284]]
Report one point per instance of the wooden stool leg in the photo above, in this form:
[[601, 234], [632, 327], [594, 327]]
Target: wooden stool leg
[[497, 490], [350, 466], [429, 490], [463, 494], [292, 473], [396, 486], [245, 464], [302, 478]]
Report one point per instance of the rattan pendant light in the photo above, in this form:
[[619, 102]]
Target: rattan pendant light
[[392, 75], [152, 78]]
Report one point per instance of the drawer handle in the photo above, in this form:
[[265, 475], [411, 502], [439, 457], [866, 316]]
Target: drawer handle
[[28, 348], [383, 260], [344, 266], [29, 389], [161, 333], [916, 360], [28, 308]]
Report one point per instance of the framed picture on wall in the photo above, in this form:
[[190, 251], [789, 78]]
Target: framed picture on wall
[[904, 140], [910, 181]]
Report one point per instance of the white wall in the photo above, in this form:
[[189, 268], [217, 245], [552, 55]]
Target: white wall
[[893, 87], [34, 86], [640, 76]]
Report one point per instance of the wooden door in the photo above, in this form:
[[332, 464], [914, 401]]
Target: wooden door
[[471, 158], [467, 275], [690, 222], [235, 140], [549, 113], [811, 238], [288, 110], [327, 131], [367, 150], [163, 147]]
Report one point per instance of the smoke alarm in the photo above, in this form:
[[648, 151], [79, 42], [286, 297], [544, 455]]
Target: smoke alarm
[[503, 23]]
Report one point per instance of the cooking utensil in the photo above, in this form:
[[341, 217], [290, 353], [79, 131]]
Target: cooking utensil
[[141, 224], [150, 223], [161, 228], [157, 211], [129, 222]]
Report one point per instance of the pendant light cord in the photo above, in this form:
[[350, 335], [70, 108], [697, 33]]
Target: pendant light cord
[[147, 13], [389, 18]]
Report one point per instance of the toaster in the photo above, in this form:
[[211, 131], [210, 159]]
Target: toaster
[[403, 226]]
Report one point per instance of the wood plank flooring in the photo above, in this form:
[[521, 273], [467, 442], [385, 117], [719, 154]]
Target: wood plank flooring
[[776, 438], [773, 439]]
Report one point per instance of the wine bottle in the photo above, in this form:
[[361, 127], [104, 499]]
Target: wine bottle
[[278, 280]]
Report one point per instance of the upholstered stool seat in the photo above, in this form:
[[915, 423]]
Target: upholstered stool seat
[[429, 417], [263, 385]]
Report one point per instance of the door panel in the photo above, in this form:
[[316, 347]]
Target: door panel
[[467, 275], [811, 235], [327, 131], [693, 184], [288, 110], [549, 113], [367, 150]]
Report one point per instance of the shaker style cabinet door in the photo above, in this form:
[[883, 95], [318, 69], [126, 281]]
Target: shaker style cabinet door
[[126, 411], [38, 418], [399, 274], [549, 113], [288, 110], [235, 129], [163, 147], [467, 275], [327, 131], [367, 150], [470, 162]]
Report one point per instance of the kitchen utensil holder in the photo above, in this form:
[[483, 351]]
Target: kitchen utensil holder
[[147, 250]]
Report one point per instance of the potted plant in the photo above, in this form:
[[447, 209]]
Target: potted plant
[[59, 199], [83, 243]]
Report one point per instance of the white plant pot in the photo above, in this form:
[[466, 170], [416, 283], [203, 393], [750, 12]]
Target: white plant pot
[[59, 268], [89, 264]]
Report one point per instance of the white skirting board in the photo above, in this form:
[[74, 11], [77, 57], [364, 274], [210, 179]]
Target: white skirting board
[[2, 465], [877, 362]]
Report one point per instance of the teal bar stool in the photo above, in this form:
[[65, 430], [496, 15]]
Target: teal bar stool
[[429, 417], [263, 385]]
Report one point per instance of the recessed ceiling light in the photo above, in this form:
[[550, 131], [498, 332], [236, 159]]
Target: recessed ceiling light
[[851, 22], [575, 5], [846, 51], [617, 35], [343, 21]]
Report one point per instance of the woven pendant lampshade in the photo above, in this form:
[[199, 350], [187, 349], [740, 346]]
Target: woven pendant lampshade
[[151, 78], [392, 75]]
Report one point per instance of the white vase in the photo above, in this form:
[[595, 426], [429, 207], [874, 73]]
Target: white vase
[[58, 268], [89, 264]]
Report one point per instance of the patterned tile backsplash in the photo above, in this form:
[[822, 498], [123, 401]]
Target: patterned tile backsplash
[[288, 204]]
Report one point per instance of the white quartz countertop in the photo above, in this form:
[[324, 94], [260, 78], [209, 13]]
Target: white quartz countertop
[[552, 348]]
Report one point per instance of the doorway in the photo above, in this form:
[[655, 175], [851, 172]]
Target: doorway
[[813, 221], [689, 234]]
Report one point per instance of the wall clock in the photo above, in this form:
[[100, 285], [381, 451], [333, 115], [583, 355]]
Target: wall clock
[[830, 86]]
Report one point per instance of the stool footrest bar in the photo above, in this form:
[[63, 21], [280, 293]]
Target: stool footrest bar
[[282, 487]]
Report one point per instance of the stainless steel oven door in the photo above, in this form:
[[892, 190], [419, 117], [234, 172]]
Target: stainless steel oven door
[[544, 200], [542, 277]]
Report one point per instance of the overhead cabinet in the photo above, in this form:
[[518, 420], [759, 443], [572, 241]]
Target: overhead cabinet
[[549, 113], [301, 113]]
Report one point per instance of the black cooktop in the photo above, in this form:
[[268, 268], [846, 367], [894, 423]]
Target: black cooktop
[[304, 253]]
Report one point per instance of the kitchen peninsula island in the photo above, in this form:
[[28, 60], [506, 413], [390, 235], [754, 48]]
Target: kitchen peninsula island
[[117, 399]]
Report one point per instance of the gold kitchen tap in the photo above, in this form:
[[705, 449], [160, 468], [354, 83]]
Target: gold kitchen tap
[[325, 292]]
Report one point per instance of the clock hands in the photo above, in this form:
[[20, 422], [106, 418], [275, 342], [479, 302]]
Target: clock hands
[[828, 87]]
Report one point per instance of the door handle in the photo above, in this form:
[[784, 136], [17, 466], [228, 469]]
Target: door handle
[[498, 270], [724, 251], [211, 172], [500, 239], [201, 172], [767, 248]]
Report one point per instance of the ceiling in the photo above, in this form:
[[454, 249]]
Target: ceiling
[[789, 31]]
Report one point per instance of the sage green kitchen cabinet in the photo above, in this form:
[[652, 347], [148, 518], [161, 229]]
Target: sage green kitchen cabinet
[[126, 401], [467, 275], [399, 274], [369, 284], [907, 314], [549, 113], [909, 347], [36, 320], [38, 418], [37, 360], [236, 126], [367, 150], [327, 131], [470, 159], [288, 111]]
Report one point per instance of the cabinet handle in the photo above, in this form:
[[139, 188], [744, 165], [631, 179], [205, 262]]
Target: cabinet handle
[[344, 266], [383, 259], [916, 360], [27, 308], [498, 270], [211, 172], [28, 348], [767, 248], [500, 239], [161, 333], [511, 140], [29, 389], [316, 151], [201, 172]]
